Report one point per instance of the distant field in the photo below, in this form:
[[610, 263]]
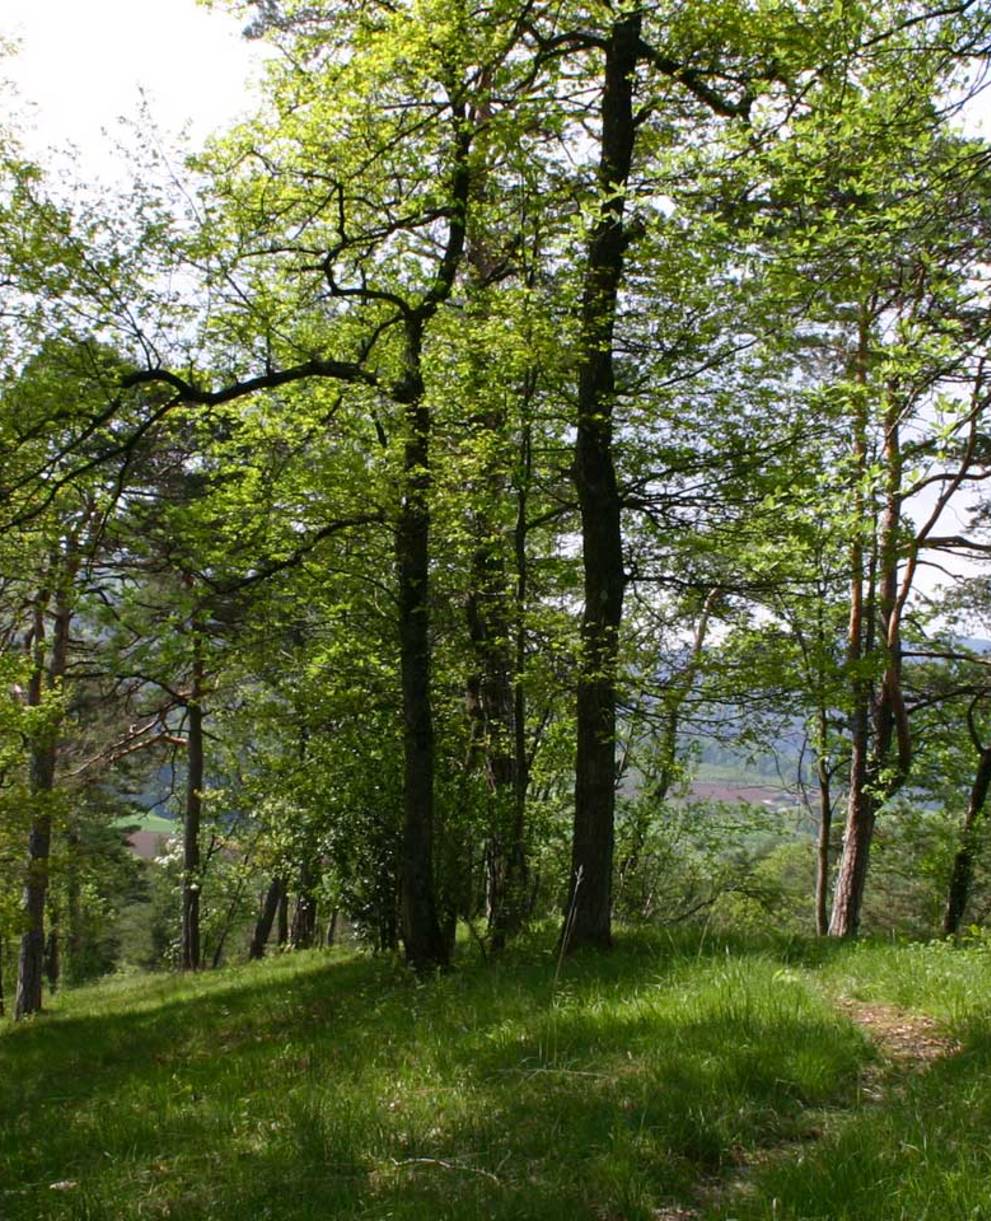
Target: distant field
[[151, 822]]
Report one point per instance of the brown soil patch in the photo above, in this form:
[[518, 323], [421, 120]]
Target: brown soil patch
[[912, 1040]]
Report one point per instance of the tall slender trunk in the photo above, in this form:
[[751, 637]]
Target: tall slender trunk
[[491, 707], [962, 871], [881, 766], [53, 950], [282, 919], [848, 896], [825, 827], [422, 935], [423, 938], [74, 936], [48, 672], [193, 816], [590, 892]]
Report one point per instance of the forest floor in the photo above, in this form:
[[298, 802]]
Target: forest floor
[[673, 1078]]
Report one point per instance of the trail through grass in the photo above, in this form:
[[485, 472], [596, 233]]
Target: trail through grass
[[314, 1086]]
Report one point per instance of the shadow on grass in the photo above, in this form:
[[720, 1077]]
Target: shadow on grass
[[923, 1152], [348, 1089]]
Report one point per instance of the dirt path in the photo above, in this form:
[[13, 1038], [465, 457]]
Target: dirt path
[[911, 1040], [907, 1041]]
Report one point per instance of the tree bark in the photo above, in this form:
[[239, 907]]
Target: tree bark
[[266, 918], [422, 936], [589, 907], [859, 831], [304, 922], [282, 921], [74, 938], [962, 872], [191, 861], [825, 829], [44, 756]]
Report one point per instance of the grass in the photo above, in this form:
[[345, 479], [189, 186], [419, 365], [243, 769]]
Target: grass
[[149, 822], [314, 1086]]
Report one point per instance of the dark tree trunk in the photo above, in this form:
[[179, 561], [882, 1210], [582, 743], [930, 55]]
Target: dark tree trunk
[[422, 935], [31, 963], [962, 872], [822, 847], [266, 918], [44, 755], [53, 955], [330, 933], [304, 922], [589, 909], [74, 966], [282, 920], [491, 707], [191, 860]]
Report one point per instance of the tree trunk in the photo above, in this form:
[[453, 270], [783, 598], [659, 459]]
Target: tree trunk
[[266, 918], [825, 828], [44, 756], [31, 963], [589, 908], [859, 831], [53, 954], [282, 922], [962, 872], [191, 862], [422, 936], [304, 922], [74, 938]]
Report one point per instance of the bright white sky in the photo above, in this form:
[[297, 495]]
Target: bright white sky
[[80, 66]]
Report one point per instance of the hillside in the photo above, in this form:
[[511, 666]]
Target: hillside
[[669, 1079]]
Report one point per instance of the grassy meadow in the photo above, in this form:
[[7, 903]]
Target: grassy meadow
[[674, 1077]]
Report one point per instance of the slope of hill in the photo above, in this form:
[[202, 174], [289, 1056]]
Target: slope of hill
[[668, 1079]]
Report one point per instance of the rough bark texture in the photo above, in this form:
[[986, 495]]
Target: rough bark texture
[[422, 935], [191, 862], [962, 873], [859, 831], [31, 962], [589, 909], [48, 673], [882, 743], [424, 941]]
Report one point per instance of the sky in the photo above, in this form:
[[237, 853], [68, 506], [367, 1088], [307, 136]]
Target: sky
[[80, 67]]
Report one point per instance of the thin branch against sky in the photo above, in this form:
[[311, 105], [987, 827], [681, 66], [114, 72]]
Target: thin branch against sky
[[78, 69]]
